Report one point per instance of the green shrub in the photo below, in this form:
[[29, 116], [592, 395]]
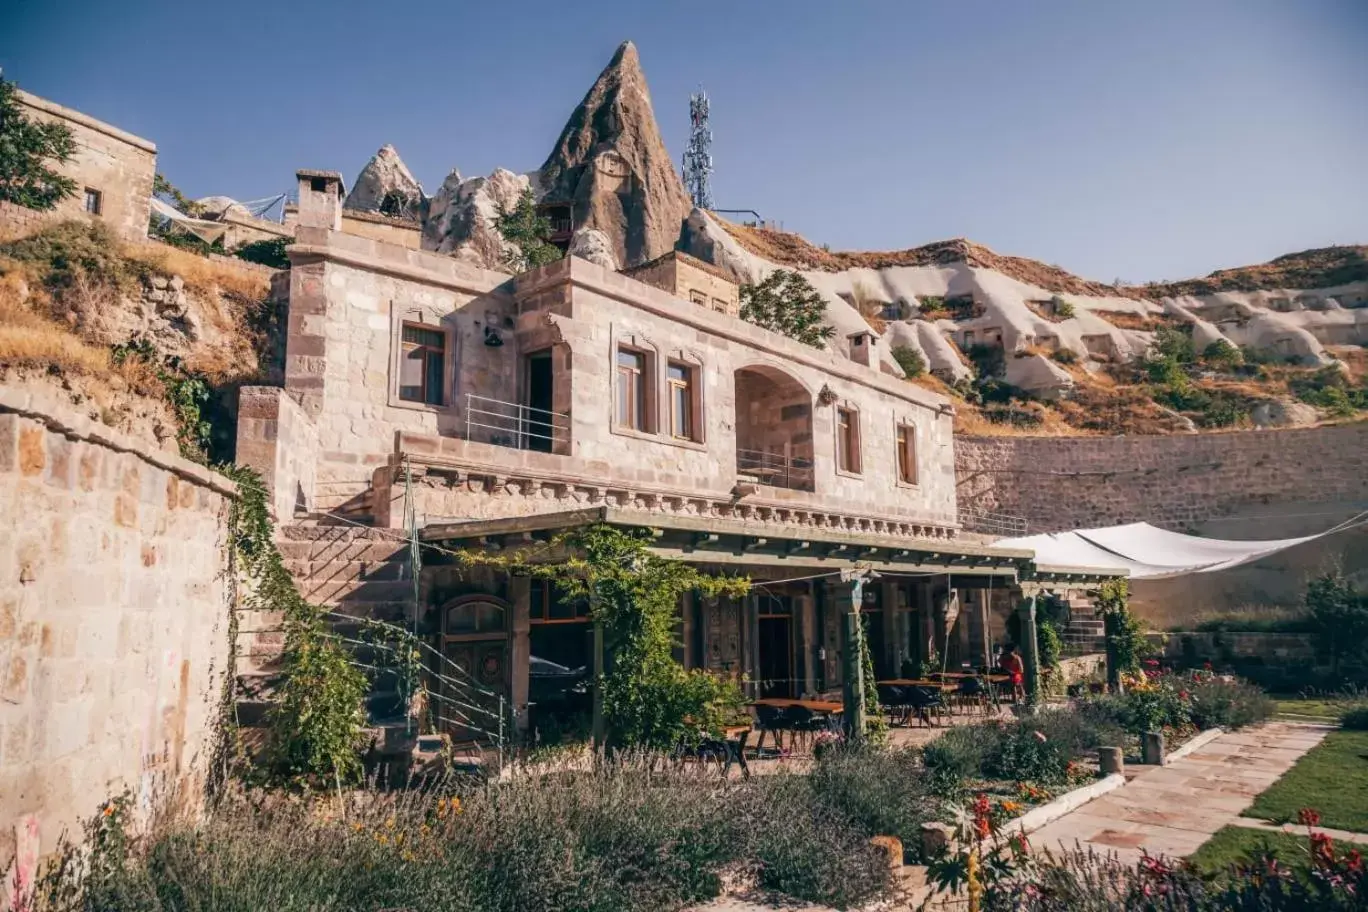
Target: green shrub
[[1027, 754], [1063, 310], [1229, 704], [1080, 728], [75, 253], [267, 253], [1221, 355], [960, 754], [1355, 719], [910, 360], [882, 792], [1064, 356]]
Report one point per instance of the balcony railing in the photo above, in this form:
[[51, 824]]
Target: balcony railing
[[775, 469], [511, 424], [990, 523]]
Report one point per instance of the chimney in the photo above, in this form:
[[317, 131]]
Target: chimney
[[863, 348], [320, 199]]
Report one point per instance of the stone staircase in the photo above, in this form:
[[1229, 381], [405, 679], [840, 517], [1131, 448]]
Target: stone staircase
[[1084, 634], [356, 573]]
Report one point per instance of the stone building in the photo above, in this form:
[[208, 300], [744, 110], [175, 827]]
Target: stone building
[[689, 279], [113, 171], [426, 396]]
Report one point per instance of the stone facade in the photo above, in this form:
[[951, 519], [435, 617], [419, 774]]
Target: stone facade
[[690, 279], [277, 438], [116, 166], [114, 622]]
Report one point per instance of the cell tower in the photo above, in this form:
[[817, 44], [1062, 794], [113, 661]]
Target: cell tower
[[697, 162]]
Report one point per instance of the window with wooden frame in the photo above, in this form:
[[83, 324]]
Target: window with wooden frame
[[422, 364], [680, 378], [550, 605], [848, 440], [698, 297], [94, 201], [907, 453], [632, 389]]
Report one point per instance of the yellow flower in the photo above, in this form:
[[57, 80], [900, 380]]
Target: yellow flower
[[389, 824], [1011, 807]]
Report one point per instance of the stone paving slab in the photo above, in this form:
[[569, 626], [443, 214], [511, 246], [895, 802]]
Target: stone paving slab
[[1296, 829], [1172, 810]]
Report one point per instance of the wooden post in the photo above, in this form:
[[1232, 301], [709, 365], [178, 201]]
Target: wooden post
[[600, 729], [1029, 652]]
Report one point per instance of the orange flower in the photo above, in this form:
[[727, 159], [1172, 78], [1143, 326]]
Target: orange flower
[[109, 809]]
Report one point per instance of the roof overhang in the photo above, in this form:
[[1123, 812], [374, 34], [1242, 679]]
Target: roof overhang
[[736, 544]]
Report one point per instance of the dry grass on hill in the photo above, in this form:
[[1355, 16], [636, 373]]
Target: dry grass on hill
[[1322, 267], [795, 251], [201, 273]]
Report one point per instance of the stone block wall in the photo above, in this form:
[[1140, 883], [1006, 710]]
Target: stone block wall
[[276, 437], [114, 619], [119, 165], [349, 297], [1059, 483]]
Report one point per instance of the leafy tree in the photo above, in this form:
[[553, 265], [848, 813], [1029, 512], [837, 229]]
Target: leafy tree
[[170, 193], [1062, 308], [1339, 614], [268, 253], [785, 302], [1221, 355], [26, 149], [528, 232], [910, 360]]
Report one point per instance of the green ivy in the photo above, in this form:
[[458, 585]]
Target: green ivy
[[315, 721], [649, 699], [186, 391], [876, 726], [1125, 634]]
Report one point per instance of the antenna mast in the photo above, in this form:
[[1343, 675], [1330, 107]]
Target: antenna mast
[[697, 163]]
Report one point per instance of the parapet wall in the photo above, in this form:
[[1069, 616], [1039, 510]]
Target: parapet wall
[[114, 620], [1059, 483], [1244, 485]]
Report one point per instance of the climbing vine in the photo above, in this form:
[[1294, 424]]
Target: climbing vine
[[1125, 635], [187, 393], [315, 720], [649, 699], [876, 726]]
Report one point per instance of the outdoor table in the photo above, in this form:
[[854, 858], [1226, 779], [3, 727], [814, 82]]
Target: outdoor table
[[826, 708], [944, 686], [735, 737]]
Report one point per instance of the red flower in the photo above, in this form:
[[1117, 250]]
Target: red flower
[[1207, 666], [1308, 817], [1182, 694], [1152, 663], [1322, 848], [1353, 862]]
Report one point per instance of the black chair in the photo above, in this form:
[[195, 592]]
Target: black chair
[[971, 693], [803, 722], [893, 698], [922, 699], [769, 719]]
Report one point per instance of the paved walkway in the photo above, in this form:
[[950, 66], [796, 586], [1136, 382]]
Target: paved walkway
[[1172, 810]]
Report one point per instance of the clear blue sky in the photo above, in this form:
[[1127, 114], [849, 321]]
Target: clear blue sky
[[1142, 140]]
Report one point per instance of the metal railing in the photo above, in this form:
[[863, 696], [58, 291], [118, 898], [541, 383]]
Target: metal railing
[[775, 469], [992, 523], [511, 424]]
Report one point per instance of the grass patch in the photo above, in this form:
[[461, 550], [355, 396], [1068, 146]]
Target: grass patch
[[1326, 709], [1332, 778], [1232, 845]]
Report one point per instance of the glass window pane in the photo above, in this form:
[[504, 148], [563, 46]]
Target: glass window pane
[[411, 374], [639, 402], [634, 360], [678, 372], [433, 378], [624, 397], [419, 335], [679, 411]]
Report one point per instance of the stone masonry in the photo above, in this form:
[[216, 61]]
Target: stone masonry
[[116, 165], [114, 619]]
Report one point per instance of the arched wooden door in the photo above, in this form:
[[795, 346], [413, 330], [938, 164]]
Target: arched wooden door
[[476, 671]]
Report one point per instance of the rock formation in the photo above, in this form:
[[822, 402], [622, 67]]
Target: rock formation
[[595, 246], [462, 219], [387, 185], [612, 166]]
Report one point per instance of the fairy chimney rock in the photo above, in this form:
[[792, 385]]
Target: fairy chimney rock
[[612, 169]]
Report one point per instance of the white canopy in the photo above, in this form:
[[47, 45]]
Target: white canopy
[[1146, 552]]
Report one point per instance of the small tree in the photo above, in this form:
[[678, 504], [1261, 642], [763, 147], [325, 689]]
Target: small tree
[[171, 194], [26, 149], [1125, 635], [1339, 613], [528, 231], [910, 360], [785, 302]]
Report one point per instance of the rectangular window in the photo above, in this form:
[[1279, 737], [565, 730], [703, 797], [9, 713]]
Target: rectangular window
[[94, 201], [680, 377], [422, 364], [907, 454], [698, 297], [631, 389], [848, 440], [719, 305]]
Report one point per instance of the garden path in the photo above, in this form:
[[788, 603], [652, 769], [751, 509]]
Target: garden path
[[1171, 810]]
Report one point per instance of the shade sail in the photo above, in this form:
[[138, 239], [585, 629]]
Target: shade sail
[[1143, 551]]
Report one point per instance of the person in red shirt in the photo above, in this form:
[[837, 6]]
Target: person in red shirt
[[1012, 665]]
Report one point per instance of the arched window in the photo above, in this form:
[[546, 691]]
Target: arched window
[[474, 617]]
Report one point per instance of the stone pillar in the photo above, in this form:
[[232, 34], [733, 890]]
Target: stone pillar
[[688, 611], [893, 651], [985, 597], [750, 642], [809, 642], [1030, 655], [1110, 760], [847, 596], [520, 648], [925, 626], [1152, 748]]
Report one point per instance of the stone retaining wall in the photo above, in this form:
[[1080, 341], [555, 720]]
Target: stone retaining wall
[[114, 618]]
